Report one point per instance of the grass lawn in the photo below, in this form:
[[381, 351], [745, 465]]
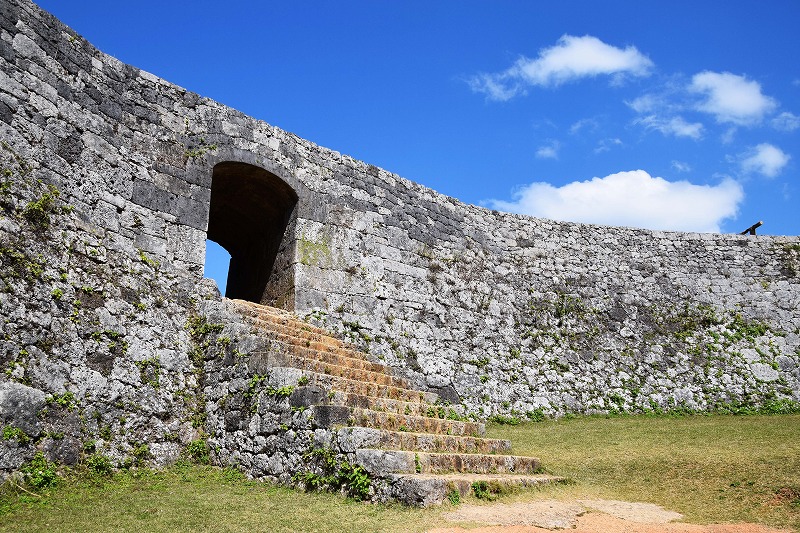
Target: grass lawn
[[720, 468], [710, 468]]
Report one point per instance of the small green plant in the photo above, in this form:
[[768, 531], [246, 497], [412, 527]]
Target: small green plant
[[150, 371], [489, 491], [147, 260], [454, 497], [40, 473], [201, 149], [66, 400], [537, 415], [303, 381], [505, 420], [141, 453], [198, 327], [57, 293], [12, 432], [99, 464], [324, 470], [37, 212], [198, 452]]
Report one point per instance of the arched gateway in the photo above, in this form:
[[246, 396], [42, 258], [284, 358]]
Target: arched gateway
[[250, 211]]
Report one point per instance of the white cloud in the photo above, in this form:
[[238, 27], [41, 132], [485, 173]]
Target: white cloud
[[606, 144], [589, 124], [786, 122], [495, 87], [647, 103], [676, 126], [764, 159], [731, 98], [548, 151], [632, 198], [680, 166], [570, 59]]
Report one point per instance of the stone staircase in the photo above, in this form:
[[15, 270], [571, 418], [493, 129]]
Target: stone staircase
[[422, 450]]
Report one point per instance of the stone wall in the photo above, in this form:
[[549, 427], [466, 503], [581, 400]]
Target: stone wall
[[508, 314]]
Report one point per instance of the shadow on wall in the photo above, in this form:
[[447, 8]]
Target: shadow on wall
[[250, 211]]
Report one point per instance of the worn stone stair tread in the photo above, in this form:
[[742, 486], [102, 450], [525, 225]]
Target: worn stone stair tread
[[381, 462], [327, 368], [322, 340], [278, 317], [388, 405], [340, 357], [353, 438], [275, 316], [369, 389], [420, 424], [432, 489], [315, 340]]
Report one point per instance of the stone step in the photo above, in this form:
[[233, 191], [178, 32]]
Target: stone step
[[432, 489], [274, 319], [276, 358], [362, 388], [415, 424], [302, 337], [253, 309], [389, 405], [352, 438], [341, 357], [382, 462]]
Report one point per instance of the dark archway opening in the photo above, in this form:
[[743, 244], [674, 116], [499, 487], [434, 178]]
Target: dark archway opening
[[250, 211]]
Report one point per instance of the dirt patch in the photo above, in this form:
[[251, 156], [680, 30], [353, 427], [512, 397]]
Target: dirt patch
[[583, 516], [785, 495]]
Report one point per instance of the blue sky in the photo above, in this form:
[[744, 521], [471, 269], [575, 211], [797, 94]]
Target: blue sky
[[679, 115]]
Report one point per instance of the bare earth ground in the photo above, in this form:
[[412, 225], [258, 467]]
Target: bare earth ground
[[583, 516]]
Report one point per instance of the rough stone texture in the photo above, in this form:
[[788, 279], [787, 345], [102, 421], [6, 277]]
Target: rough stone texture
[[508, 314]]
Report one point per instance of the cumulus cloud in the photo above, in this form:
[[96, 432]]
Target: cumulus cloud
[[570, 59], [786, 122], [764, 159], [549, 150], [731, 98], [676, 126], [632, 198]]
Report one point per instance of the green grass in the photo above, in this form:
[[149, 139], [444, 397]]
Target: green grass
[[710, 468], [197, 498]]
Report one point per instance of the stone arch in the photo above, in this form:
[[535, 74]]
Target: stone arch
[[250, 212]]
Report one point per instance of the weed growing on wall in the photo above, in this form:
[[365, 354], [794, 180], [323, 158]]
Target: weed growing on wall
[[38, 212], [204, 346], [325, 471]]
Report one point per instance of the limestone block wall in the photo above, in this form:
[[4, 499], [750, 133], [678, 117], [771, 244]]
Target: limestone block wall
[[505, 313], [94, 353], [536, 316]]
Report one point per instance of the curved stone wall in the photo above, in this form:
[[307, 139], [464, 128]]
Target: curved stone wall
[[508, 314]]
